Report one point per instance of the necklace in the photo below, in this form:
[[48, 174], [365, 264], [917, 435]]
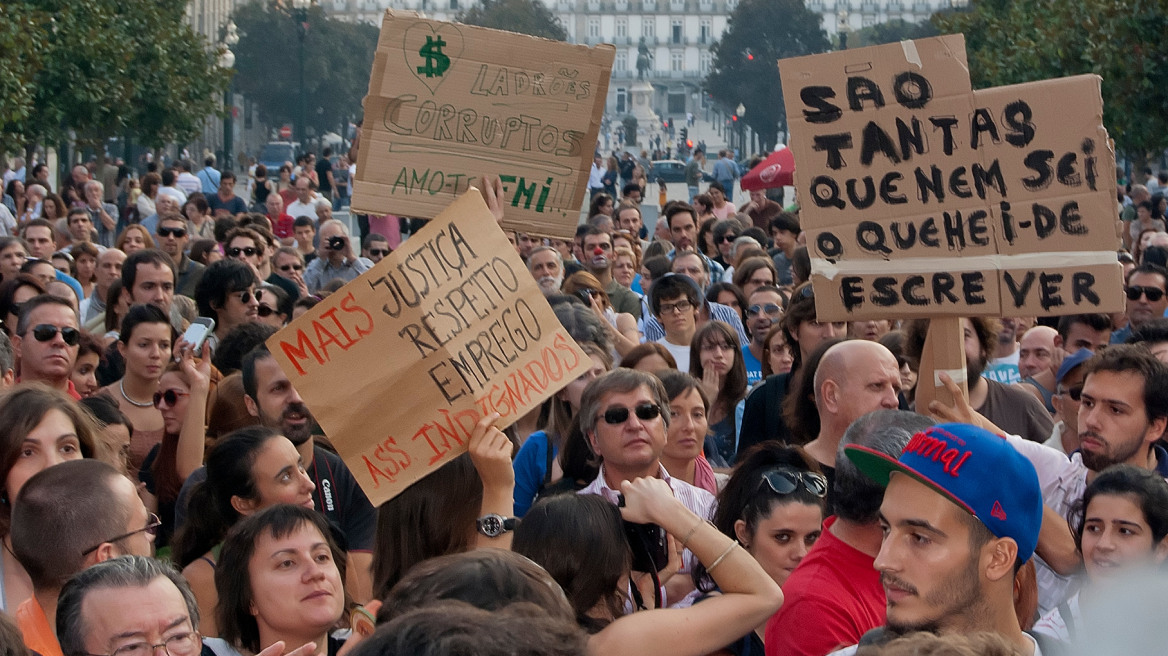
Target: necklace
[[136, 404]]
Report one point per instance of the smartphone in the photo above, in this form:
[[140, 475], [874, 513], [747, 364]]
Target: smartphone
[[197, 332]]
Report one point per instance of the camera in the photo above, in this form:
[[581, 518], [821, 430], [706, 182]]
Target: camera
[[336, 243], [649, 546]]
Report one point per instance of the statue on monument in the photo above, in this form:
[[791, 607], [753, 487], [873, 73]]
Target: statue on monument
[[644, 59]]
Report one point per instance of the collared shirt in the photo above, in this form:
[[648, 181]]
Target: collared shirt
[[321, 272], [654, 331], [34, 625]]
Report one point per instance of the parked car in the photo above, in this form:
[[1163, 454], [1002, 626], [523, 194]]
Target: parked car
[[671, 170], [274, 154]]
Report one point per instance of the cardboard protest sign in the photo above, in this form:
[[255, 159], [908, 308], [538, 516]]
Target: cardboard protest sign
[[922, 198], [449, 102], [398, 365]]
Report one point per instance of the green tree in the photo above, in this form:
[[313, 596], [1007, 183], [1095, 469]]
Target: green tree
[[103, 67], [1010, 42], [892, 31], [20, 45], [522, 16], [338, 57], [761, 32]]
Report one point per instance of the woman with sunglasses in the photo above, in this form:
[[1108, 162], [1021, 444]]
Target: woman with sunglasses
[[144, 343], [181, 399], [621, 326], [773, 505], [275, 306], [39, 427], [716, 362], [580, 541], [247, 471], [135, 238]]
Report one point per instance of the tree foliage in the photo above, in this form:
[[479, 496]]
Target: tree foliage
[[892, 31], [96, 68], [1014, 41], [522, 16], [761, 32], [338, 58]]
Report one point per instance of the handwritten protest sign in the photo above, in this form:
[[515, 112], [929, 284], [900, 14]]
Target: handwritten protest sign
[[449, 102], [399, 364], [923, 198]]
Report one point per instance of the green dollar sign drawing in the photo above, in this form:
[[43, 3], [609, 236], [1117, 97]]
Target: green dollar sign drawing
[[436, 61]]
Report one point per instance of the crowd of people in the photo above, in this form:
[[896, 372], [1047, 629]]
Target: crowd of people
[[730, 476]]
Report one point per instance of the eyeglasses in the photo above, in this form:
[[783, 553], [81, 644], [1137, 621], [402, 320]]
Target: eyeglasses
[[1075, 392], [679, 307], [45, 332], [729, 238], [186, 643], [643, 411], [172, 232], [772, 309], [1153, 293], [379, 252], [246, 295], [248, 251], [266, 311], [292, 267], [151, 528], [785, 481], [169, 397]]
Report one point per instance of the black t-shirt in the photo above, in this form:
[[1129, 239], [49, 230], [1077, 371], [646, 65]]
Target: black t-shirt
[[323, 168]]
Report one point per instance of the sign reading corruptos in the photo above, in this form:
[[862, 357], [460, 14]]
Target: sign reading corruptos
[[922, 198], [398, 365]]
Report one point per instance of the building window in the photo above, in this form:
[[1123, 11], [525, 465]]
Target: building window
[[706, 32], [706, 5], [648, 27], [622, 5], [675, 31], [622, 27], [677, 5], [649, 5], [621, 64], [593, 28], [731, 5], [677, 61], [454, 5], [705, 62]]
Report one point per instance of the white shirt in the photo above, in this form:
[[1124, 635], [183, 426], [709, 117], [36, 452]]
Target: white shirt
[[596, 177], [296, 209], [679, 353]]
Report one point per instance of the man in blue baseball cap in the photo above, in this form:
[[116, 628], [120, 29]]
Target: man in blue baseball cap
[[961, 514]]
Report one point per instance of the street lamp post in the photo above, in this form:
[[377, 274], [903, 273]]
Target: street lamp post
[[300, 12], [227, 61], [741, 111]]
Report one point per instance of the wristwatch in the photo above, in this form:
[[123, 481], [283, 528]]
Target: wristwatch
[[494, 525]]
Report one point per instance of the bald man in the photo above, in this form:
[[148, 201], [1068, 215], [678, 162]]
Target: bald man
[[854, 378], [1035, 354]]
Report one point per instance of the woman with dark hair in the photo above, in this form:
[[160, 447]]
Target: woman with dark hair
[[722, 208], [280, 579], [85, 265], [145, 203], [248, 470], [716, 362], [725, 232], [704, 205], [778, 358], [754, 272], [730, 295], [205, 251], [686, 435], [535, 465], [53, 208], [602, 203], [117, 305], [198, 214], [14, 193], [706, 237], [144, 343], [84, 376], [263, 187], [580, 541], [13, 294], [113, 429], [1119, 525], [649, 357], [611, 173], [39, 427]]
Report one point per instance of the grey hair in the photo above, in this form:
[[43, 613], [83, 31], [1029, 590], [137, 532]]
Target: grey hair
[[857, 498], [95, 183], [546, 249], [121, 572], [7, 359], [743, 241], [620, 381], [344, 228]]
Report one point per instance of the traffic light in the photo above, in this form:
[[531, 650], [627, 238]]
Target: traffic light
[[689, 143], [734, 117], [684, 133]]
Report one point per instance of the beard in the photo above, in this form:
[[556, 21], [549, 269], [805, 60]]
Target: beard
[[1117, 451], [296, 434], [551, 284], [958, 596], [974, 368]]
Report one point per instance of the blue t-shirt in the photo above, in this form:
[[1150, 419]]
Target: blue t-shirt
[[531, 468], [753, 367]]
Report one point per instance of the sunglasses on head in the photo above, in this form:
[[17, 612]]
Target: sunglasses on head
[[291, 267], [169, 397], [1153, 293], [45, 332], [172, 232], [784, 481], [379, 252], [643, 411], [247, 250]]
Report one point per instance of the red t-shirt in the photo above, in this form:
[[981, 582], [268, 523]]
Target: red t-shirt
[[282, 227], [831, 599]]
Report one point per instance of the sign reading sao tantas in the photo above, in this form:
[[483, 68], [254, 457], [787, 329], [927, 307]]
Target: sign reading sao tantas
[[449, 102], [923, 198], [398, 365]]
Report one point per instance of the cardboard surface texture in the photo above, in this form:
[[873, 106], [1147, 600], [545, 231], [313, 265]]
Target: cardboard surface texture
[[944, 351], [905, 172], [449, 103], [398, 365]]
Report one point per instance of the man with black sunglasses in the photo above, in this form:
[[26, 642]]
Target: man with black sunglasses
[[173, 238], [623, 416], [47, 334], [1146, 299], [70, 517], [375, 248]]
